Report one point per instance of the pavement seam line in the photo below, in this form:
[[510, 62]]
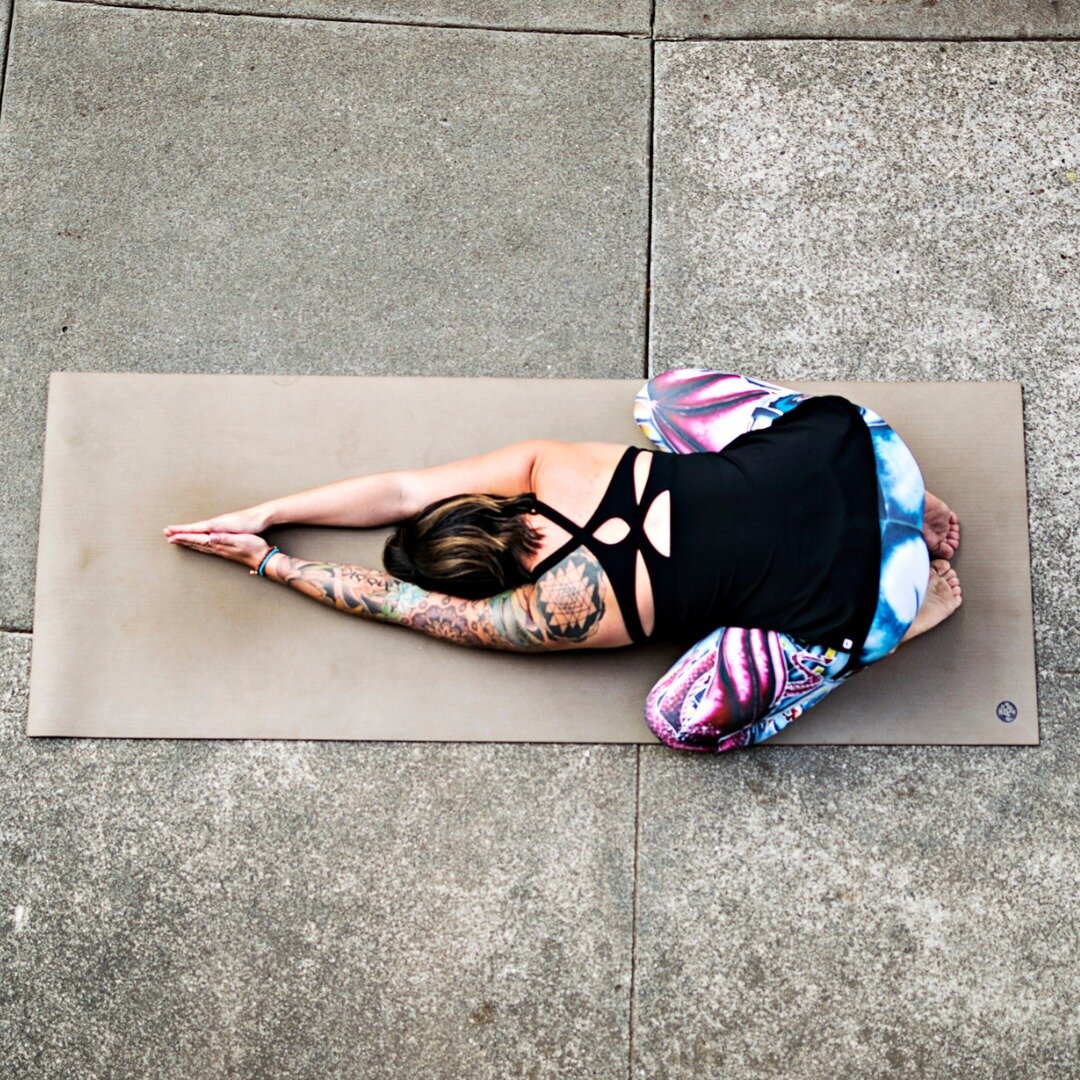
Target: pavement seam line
[[899, 39], [651, 135], [629, 34], [7, 54], [633, 912], [207, 10], [650, 158]]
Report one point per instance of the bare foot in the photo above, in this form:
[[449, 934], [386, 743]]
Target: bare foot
[[941, 600], [941, 528]]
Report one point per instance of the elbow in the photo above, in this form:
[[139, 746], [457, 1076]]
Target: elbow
[[402, 502]]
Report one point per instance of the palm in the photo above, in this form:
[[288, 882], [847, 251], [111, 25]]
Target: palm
[[246, 548]]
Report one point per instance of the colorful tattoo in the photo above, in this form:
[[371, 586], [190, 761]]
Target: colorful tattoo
[[562, 609]]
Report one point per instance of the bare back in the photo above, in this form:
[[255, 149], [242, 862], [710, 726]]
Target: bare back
[[572, 478]]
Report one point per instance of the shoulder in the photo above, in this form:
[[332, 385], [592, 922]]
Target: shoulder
[[572, 605], [555, 459]]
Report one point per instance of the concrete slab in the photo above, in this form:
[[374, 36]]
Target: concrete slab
[[310, 909], [855, 18], [877, 210], [611, 16], [196, 192], [863, 912]]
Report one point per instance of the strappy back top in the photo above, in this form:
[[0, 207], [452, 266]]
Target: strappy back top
[[619, 559], [780, 530]]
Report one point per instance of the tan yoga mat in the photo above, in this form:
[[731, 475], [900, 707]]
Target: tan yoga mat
[[134, 637]]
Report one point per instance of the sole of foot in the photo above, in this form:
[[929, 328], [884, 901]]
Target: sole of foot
[[941, 528], [943, 597]]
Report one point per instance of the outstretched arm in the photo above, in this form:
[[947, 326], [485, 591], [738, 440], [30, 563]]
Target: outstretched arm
[[563, 609], [384, 498], [511, 621], [359, 502]]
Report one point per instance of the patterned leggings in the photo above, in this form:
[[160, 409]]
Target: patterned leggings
[[740, 686]]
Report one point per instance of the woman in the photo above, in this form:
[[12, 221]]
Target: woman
[[785, 538]]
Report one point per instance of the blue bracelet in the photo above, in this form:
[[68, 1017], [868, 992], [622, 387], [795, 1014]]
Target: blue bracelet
[[266, 559]]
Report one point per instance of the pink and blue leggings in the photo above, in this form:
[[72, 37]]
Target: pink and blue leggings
[[738, 686]]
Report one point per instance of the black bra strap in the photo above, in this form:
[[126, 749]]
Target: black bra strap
[[620, 566], [561, 520], [581, 534], [577, 538]]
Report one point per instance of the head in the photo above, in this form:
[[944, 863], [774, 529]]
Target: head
[[465, 545]]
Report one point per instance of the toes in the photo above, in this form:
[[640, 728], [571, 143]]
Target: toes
[[954, 584], [945, 578]]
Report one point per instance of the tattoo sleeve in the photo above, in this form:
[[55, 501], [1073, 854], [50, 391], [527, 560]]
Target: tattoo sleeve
[[561, 610]]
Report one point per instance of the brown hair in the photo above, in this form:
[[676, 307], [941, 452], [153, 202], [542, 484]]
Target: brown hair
[[465, 545]]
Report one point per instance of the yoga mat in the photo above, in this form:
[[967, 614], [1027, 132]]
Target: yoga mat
[[134, 637]]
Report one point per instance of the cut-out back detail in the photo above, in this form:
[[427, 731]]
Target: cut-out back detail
[[619, 558]]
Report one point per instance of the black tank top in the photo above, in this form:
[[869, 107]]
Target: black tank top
[[779, 531]]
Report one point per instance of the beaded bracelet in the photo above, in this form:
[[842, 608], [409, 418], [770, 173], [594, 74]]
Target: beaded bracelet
[[266, 559]]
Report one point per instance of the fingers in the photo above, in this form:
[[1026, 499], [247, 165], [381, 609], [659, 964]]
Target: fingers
[[222, 524], [194, 539], [207, 540], [194, 527], [237, 521]]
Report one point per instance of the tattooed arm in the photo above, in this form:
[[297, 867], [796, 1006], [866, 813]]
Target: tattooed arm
[[563, 610]]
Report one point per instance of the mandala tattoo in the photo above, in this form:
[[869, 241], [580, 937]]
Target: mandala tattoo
[[569, 597]]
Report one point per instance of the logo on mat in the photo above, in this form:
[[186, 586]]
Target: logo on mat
[[1007, 712]]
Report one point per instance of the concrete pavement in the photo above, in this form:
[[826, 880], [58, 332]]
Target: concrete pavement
[[525, 189]]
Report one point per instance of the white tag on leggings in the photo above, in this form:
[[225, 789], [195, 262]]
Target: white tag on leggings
[[848, 643]]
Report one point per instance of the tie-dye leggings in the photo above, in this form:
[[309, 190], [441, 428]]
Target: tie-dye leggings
[[739, 686]]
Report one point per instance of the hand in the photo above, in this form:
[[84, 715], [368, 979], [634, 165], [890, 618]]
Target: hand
[[243, 548], [252, 520]]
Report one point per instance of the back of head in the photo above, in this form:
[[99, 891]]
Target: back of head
[[465, 545]]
